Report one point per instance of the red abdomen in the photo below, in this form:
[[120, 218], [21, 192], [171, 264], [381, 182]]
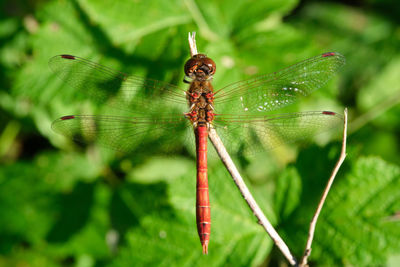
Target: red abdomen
[[203, 213]]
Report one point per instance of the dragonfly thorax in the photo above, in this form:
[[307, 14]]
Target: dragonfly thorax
[[201, 102]]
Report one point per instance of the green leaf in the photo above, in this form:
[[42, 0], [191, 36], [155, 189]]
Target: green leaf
[[160, 168], [26, 203], [125, 22], [357, 225], [383, 92], [288, 191], [82, 223], [385, 85], [63, 170], [224, 19]]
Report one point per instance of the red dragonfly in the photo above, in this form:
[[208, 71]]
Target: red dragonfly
[[236, 111]]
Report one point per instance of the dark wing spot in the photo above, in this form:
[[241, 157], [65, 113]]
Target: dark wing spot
[[67, 117], [68, 56], [329, 54], [328, 112]]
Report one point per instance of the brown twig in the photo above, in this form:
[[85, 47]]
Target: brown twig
[[226, 159], [313, 222], [192, 44]]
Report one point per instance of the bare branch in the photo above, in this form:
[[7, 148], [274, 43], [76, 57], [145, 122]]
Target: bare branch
[[313, 222], [226, 159], [192, 44]]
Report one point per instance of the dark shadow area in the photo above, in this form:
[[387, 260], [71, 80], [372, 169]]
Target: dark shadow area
[[11, 14], [75, 209], [10, 241], [312, 167], [4, 118], [379, 145], [18, 8], [132, 201], [33, 144], [390, 9], [387, 9], [122, 217]]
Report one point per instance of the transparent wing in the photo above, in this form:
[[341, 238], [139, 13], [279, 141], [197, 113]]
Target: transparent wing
[[278, 89], [123, 133], [122, 91], [264, 132]]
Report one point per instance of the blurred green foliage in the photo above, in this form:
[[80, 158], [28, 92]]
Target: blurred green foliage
[[63, 204]]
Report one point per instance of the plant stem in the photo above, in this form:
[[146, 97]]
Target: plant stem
[[313, 222], [226, 159]]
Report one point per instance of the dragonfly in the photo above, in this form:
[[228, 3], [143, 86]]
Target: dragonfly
[[240, 112]]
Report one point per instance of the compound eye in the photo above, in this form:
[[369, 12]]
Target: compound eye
[[210, 64], [191, 65]]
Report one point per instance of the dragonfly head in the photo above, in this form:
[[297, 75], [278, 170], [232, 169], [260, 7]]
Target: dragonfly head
[[200, 67]]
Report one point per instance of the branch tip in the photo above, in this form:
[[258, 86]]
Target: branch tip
[[313, 223], [192, 44]]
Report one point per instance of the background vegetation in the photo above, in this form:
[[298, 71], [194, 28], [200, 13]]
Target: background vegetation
[[63, 204]]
